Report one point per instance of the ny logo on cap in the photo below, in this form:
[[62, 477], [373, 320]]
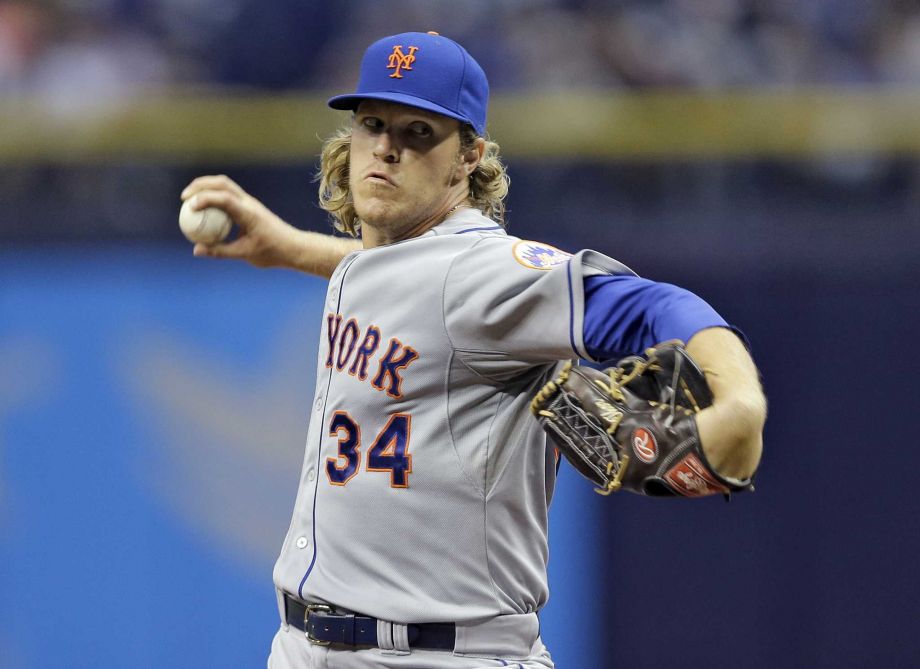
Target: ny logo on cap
[[401, 61]]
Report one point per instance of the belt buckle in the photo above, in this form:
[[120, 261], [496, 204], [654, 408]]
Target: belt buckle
[[312, 608]]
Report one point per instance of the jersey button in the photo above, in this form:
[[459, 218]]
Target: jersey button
[[318, 404], [311, 475], [302, 542]]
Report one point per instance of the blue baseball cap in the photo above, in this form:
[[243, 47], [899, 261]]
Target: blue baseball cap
[[423, 70]]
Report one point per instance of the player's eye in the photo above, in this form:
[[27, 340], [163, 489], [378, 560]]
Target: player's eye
[[370, 122], [420, 129]]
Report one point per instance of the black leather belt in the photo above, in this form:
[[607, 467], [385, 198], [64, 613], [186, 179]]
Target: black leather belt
[[323, 625]]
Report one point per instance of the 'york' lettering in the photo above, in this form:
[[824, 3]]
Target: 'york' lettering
[[397, 357], [345, 351]]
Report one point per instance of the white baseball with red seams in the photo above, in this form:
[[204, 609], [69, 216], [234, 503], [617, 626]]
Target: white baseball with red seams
[[206, 226]]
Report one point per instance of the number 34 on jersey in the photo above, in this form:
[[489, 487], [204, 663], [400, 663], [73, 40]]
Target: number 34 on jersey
[[389, 451]]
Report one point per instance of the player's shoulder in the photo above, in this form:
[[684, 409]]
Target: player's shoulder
[[481, 241]]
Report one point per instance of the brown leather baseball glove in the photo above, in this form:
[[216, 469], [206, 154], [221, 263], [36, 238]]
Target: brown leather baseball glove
[[633, 426]]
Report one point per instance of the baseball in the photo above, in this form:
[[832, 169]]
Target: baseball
[[208, 226]]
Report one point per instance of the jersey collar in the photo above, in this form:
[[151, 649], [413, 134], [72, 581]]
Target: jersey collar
[[463, 221]]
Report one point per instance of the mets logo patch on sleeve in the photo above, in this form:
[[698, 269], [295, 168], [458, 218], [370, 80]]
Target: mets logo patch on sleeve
[[537, 255]]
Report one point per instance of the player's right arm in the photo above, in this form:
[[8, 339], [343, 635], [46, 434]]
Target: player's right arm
[[263, 239]]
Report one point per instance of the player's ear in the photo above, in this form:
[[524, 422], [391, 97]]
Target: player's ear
[[470, 158]]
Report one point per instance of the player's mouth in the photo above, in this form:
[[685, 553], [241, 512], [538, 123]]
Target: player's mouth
[[380, 178]]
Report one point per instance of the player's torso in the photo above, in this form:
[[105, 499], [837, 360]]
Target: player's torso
[[391, 515]]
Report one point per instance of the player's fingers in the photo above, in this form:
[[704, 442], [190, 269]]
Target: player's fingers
[[211, 182], [220, 182], [234, 249], [201, 250], [240, 210]]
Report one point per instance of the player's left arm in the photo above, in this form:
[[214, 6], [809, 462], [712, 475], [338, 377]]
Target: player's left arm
[[627, 314], [731, 430]]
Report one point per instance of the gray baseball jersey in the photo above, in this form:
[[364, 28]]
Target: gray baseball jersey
[[426, 481]]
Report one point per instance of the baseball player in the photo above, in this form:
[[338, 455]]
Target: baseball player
[[419, 532]]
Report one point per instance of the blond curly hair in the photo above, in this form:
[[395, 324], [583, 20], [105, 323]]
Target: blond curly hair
[[488, 183]]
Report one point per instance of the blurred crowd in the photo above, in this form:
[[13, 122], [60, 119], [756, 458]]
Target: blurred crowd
[[111, 47], [76, 56]]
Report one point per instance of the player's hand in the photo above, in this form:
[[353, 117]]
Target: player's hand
[[263, 239]]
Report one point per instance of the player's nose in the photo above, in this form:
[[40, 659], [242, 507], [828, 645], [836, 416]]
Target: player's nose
[[385, 148]]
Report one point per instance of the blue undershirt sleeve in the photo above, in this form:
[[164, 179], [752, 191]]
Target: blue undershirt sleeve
[[626, 314]]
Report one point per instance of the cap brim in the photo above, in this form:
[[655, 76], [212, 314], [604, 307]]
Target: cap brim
[[352, 101]]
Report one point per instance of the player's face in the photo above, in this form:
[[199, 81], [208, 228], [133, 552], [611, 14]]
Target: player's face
[[405, 169]]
